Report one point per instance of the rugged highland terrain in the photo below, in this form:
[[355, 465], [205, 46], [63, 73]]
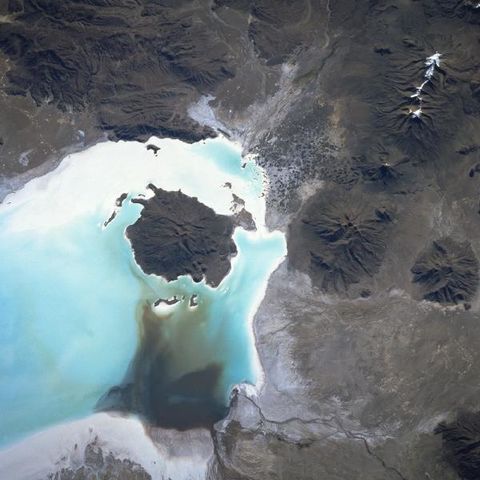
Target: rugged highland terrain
[[365, 116]]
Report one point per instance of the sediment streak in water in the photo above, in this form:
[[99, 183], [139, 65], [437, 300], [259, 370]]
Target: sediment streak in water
[[70, 309]]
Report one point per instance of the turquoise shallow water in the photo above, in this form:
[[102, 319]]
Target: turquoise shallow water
[[69, 302]]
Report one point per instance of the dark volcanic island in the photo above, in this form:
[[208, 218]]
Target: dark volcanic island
[[177, 235]]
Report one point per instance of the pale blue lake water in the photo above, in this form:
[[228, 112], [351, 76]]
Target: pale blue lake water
[[70, 293]]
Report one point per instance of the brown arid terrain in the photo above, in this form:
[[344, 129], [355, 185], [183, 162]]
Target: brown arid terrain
[[365, 116]]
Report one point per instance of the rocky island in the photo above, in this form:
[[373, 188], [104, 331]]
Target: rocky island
[[177, 235]]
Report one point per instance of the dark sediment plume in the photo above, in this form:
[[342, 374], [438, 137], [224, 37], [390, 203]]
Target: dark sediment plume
[[161, 398], [447, 272], [461, 443], [177, 235], [339, 240]]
